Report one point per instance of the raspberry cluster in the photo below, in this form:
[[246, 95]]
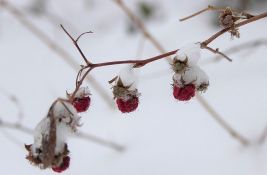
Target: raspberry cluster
[[50, 149], [63, 166], [82, 99], [127, 97], [188, 76]]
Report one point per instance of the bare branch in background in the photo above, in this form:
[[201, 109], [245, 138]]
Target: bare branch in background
[[16, 102], [11, 138], [138, 22], [249, 45], [54, 47], [209, 8], [213, 8], [219, 119], [79, 135]]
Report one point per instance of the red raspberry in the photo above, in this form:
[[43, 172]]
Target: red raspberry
[[81, 104], [65, 165], [184, 93], [127, 105]]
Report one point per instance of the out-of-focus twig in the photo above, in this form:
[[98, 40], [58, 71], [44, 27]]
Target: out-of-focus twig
[[80, 135], [54, 47], [238, 48], [263, 135], [219, 119], [141, 26], [209, 8], [11, 138], [12, 98], [213, 8]]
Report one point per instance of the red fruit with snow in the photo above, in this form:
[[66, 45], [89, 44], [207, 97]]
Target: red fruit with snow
[[184, 93], [64, 165], [127, 105], [81, 104]]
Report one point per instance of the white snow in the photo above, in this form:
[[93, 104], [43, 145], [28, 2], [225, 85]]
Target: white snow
[[41, 130], [193, 74], [83, 92], [162, 136], [66, 126], [191, 52], [128, 76]]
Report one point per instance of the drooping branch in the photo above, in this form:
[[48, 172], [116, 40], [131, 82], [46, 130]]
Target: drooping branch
[[203, 44], [140, 63]]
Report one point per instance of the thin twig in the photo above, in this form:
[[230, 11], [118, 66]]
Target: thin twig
[[240, 47], [91, 66], [75, 42], [250, 20], [11, 138], [263, 136], [79, 83], [16, 102], [216, 51], [209, 8], [82, 35], [213, 8], [101, 141], [80, 135]]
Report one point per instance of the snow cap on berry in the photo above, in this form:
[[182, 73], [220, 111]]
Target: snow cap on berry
[[128, 77], [125, 91], [189, 53], [83, 92], [124, 85], [193, 75]]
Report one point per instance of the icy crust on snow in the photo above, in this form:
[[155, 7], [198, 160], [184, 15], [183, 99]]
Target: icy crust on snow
[[190, 52], [128, 77], [83, 92]]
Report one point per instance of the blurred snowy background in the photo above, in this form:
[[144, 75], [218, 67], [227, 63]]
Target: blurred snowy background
[[163, 136]]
